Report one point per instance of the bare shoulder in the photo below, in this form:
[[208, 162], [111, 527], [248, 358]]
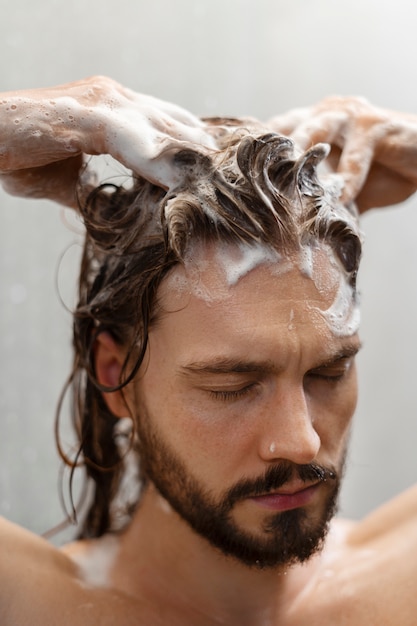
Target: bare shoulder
[[41, 584], [369, 574], [395, 518], [12, 534], [20, 547], [27, 561]]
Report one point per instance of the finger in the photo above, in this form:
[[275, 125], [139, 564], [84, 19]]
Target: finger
[[286, 123], [355, 163], [327, 127], [383, 187], [157, 107]]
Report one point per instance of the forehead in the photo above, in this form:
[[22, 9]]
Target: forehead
[[225, 284]]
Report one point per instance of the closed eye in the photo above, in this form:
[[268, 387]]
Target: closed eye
[[232, 394], [332, 373]]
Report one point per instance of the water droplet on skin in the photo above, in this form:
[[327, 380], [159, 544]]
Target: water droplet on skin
[[291, 325]]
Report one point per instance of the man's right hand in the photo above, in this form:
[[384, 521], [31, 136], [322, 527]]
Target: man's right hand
[[47, 132]]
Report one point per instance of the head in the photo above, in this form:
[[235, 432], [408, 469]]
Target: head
[[220, 317]]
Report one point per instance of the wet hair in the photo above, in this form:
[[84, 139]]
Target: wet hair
[[254, 189]]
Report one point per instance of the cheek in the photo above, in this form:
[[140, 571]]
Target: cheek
[[215, 443], [333, 420], [208, 443]]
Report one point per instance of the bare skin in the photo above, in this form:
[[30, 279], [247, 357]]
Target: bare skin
[[374, 149], [161, 572], [47, 134], [366, 575]]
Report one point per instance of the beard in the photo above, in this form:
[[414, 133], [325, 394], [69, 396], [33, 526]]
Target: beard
[[286, 537]]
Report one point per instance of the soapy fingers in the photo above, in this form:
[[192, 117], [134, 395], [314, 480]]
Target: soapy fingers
[[374, 150], [47, 132]]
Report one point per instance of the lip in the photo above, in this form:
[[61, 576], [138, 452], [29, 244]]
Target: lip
[[287, 500]]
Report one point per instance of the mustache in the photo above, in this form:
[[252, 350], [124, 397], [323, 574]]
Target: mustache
[[276, 477]]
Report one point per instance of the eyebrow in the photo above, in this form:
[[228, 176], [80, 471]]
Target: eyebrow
[[229, 365], [347, 352], [225, 365]]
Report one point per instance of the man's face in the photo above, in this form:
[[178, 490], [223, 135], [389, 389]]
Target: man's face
[[245, 399]]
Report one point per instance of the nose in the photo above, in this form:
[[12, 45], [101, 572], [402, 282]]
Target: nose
[[288, 431]]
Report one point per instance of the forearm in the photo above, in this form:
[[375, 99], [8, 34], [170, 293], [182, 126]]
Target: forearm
[[41, 126], [46, 132], [397, 150]]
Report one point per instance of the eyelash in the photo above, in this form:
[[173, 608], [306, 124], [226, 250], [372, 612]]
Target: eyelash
[[330, 379], [235, 394], [231, 394]]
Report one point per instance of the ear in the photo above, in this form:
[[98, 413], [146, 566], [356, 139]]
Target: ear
[[109, 358]]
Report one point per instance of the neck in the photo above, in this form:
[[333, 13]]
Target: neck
[[183, 570]]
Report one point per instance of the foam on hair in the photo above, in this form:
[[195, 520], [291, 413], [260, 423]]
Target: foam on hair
[[255, 189]]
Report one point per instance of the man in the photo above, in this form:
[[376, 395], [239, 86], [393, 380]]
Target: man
[[218, 317]]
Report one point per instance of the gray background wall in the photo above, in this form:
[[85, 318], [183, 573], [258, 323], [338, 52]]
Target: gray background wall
[[213, 57]]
